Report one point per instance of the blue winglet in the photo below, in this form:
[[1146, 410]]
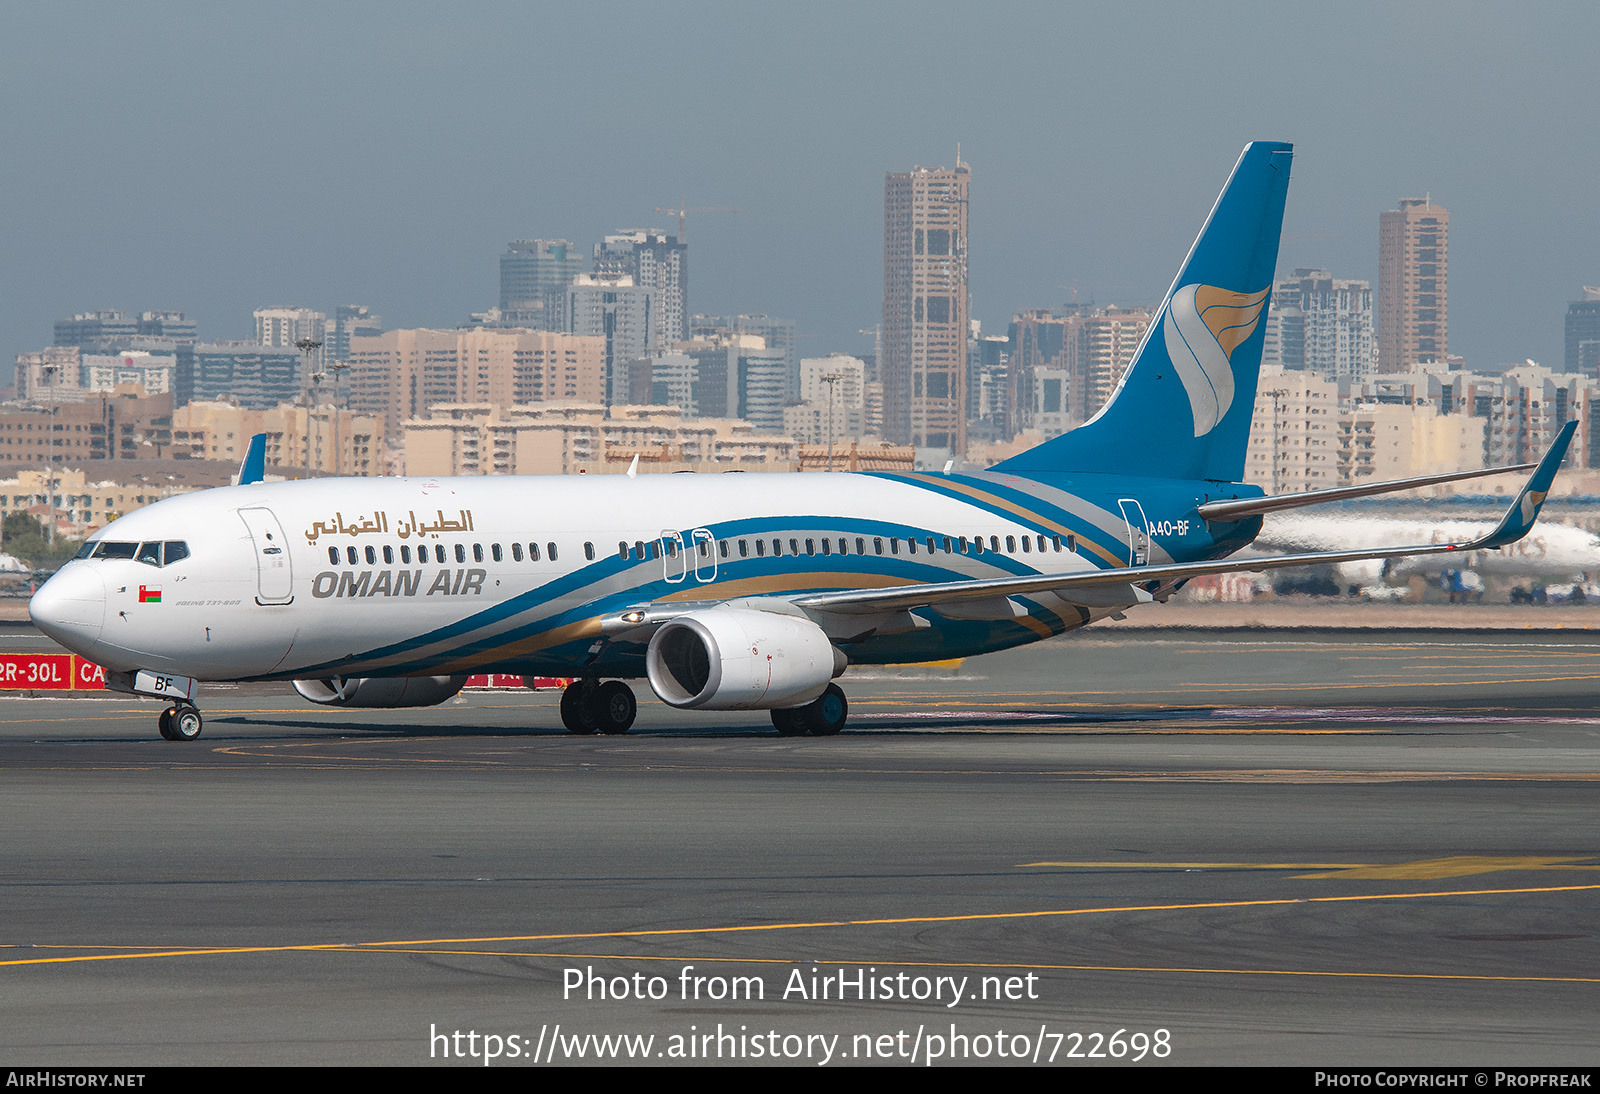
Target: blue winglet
[[1525, 509], [254, 466]]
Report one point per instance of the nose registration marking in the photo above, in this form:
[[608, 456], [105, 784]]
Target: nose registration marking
[[160, 684]]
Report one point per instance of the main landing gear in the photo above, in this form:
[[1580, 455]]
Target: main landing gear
[[822, 717], [181, 722], [588, 705]]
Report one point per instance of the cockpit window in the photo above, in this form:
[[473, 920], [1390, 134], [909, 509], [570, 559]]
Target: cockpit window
[[116, 550], [149, 553], [87, 549], [175, 549]]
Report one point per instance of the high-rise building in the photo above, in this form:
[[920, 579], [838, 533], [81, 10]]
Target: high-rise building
[[534, 275], [657, 261], [1321, 324], [109, 331], [283, 327], [1583, 325], [775, 334], [401, 374], [615, 308], [349, 321], [1413, 275], [924, 366], [255, 376]]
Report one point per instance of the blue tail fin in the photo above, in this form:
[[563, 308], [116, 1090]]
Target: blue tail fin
[[1184, 405], [253, 468]]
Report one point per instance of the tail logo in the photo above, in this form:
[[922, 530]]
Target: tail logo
[[1203, 326]]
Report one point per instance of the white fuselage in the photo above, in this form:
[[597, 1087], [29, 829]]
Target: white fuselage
[[414, 576]]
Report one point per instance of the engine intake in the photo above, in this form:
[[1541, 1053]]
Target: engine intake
[[740, 659]]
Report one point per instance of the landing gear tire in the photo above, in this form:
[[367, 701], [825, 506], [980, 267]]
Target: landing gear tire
[[789, 723], [181, 723], [613, 707], [576, 715], [825, 715]]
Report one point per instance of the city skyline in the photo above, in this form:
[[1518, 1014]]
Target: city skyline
[[1072, 202]]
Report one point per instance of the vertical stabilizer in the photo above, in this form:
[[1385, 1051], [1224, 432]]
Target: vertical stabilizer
[[1183, 407], [253, 468]]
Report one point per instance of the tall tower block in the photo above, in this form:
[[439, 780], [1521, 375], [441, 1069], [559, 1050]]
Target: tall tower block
[[924, 366], [1413, 274]]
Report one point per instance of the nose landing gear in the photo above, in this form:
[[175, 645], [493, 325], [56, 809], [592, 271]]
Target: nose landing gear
[[181, 722]]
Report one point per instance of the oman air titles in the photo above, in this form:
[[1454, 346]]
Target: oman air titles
[[351, 583]]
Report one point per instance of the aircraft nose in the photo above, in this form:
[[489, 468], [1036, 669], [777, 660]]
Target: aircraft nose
[[71, 607]]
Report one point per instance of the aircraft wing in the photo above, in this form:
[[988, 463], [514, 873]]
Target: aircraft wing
[[1516, 522]]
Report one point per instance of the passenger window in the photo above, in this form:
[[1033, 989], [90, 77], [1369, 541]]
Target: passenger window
[[827, 547], [794, 546], [811, 547], [744, 548], [932, 546], [149, 554], [477, 552], [588, 551], [994, 543], [961, 541], [622, 549], [722, 546], [461, 552], [977, 545], [947, 545], [405, 554], [877, 545], [1072, 544], [516, 552], [494, 552], [861, 545], [350, 553], [911, 544], [533, 552], [333, 555], [438, 552], [777, 548], [1011, 545], [894, 545], [388, 555], [372, 557], [551, 549], [843, 550], [1027, 544]]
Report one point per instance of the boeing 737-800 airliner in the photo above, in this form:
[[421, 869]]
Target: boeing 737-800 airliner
[[725, 591]]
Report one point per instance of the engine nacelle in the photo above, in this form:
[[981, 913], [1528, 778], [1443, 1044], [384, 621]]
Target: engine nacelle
[[380, 691], [740, 659]]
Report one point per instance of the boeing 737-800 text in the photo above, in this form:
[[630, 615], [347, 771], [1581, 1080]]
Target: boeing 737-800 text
[[725, 591]]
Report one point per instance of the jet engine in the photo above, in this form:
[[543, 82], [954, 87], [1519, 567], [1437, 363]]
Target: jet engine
[[380, 691], [741, 659]]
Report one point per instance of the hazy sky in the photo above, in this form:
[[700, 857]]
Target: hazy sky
[[216, 158]]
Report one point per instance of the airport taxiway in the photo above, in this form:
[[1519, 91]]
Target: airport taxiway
[[1356, 848]]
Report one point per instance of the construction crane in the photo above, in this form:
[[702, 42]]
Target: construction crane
[[683, 211]]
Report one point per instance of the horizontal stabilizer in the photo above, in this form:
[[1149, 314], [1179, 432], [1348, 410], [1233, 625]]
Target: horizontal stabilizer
[[1237, 509]]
